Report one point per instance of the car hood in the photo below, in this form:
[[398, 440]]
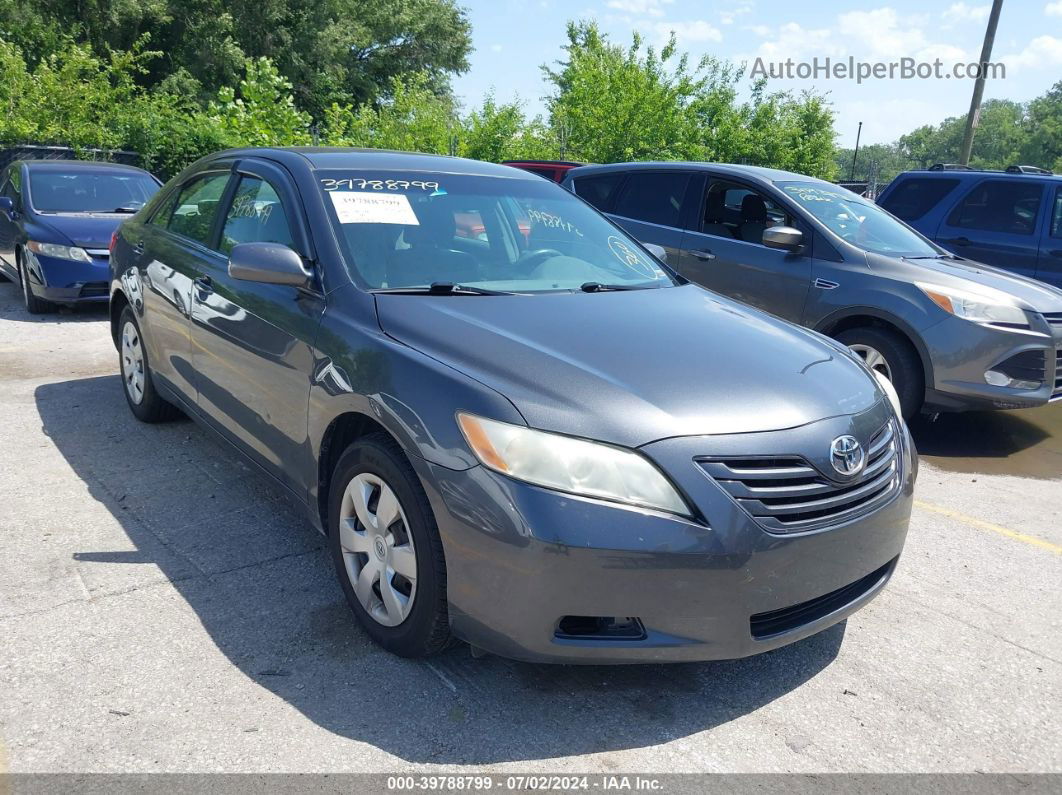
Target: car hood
[[88, 230], [637, 366], [1036, 295]]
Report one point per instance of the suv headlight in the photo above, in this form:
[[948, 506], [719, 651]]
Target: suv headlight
[[75, 253], [592, 469], [995, 309]]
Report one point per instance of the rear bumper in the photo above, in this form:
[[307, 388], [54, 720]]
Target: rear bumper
[[520, 558], [64, 281]]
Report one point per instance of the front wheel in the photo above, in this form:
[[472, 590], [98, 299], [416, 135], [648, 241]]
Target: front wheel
[[34, 305], [386, 548], [887, 353], [144, 400]]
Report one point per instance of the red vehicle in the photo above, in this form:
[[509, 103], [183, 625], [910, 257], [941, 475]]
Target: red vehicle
[[550, 169]]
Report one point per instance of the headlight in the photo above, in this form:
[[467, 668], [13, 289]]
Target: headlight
[[62, 252], [573, 465], [994, 309], [890, 392]]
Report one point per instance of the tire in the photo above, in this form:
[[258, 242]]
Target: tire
[[899, 362], [33, 304], [145, 402], [376, 554]]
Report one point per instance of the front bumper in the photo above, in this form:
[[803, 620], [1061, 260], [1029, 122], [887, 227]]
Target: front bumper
[[64, 281], [963, 351], [520, 558]]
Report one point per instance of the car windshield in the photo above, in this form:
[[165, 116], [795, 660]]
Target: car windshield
[[412, 230], [54, 191], [858, 221]]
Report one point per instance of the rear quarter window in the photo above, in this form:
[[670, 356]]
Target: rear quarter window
[[598, 190], [915, 197], [653, 197]]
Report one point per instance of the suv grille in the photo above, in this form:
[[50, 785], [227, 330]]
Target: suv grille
[[1057, 394], [1054, 318], [788, 495]]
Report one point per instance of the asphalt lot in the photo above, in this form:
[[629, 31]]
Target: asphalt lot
[[163, 609]]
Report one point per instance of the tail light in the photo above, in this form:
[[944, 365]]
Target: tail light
[[114, 241]]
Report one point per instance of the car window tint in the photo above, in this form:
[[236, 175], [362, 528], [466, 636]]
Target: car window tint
[[164, 211], [193, 214], [255, 216], [598, 190], [1000, 205], [653, 197], [1056, 216], [913, 198], [734, 211]]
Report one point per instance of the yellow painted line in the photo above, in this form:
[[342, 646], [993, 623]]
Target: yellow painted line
[[981, 524]]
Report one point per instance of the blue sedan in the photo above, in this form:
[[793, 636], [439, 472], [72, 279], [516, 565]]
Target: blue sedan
[[57, 218]]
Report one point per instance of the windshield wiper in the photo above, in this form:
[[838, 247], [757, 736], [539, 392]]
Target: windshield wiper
[[597, 287], [443, 288]]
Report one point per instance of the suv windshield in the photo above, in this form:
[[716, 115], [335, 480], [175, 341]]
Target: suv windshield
[[53, 191], [412, 230], [858, 221]]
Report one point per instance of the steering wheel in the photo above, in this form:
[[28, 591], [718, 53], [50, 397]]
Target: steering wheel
[[535, 257]]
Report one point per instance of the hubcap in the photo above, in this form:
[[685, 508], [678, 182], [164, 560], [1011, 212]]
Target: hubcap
[[873, 358], [132, 363], [378, 551]]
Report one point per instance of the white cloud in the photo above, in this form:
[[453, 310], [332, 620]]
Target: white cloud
[[1043, 51], [728, 17], [496, 48], [964, 12], [695, 31], [1054, 9], [651, 8]]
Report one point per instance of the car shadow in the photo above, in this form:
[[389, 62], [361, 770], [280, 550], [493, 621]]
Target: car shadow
[[12, 308], [1026, 443], [260, 581]]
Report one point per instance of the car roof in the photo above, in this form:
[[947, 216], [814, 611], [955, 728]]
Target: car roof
[[78, 165], [731, 169], [963, 174], [326, 157]]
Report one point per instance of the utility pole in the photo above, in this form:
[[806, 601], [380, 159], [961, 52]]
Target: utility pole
[[855, 154], [979, 84]]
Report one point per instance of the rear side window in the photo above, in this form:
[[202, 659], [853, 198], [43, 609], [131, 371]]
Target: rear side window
[[1000, 205], [598, 190], [915, 197], [655, 198], [193, 213], [255, 216], [1056, 215]]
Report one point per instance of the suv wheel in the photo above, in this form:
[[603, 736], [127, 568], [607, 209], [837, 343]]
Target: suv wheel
[[34, 305], [144, 401], [888, 353], [386, 548]]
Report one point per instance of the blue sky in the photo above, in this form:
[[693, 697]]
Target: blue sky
[[512, 38]]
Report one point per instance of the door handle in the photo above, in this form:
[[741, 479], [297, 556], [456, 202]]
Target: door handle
[[703, 254], [139, 247], [959, 241], [204, 284]]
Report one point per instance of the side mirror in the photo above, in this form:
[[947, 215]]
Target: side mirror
[[268, 263], [6, 205], [656, 251], [783, 237]]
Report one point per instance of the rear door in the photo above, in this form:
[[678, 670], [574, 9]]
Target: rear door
[[1049, 264], [253, 343], [650, 205], [997, 222], [724, 249]]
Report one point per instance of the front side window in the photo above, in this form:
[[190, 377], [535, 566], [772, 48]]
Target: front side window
[[1056, 215], [915, 197], [412, 230], [56, 191], [653, 197], [193, 213], [1000, 205], [255, 216], [857, 221], [734, 211]]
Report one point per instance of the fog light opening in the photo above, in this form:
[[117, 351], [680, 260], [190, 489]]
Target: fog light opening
[[600, 627], [996, 378]]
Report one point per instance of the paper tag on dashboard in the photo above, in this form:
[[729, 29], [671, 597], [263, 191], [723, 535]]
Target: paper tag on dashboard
[[363, 207]]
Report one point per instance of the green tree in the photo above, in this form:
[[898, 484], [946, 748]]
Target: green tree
[[261, 111]]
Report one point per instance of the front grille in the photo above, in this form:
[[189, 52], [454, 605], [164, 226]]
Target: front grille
[[786, 494], [1057, 394], [1054, 318], [777, 622], [93, 289]]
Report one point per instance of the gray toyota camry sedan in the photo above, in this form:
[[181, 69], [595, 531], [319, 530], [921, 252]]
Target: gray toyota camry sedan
[[515, 425]]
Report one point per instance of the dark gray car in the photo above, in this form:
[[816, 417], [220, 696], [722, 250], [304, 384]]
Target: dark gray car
[[951, 334], [514, 425]]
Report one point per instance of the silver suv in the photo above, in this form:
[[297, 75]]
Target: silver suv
[[951, 334]]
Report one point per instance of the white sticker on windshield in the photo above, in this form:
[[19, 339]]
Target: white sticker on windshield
[[357, 207]]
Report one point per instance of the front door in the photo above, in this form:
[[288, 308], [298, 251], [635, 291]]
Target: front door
[[723, 250], [253, 343], [1049, 265]]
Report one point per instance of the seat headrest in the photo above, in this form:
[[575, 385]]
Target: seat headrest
[[753, 209]]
